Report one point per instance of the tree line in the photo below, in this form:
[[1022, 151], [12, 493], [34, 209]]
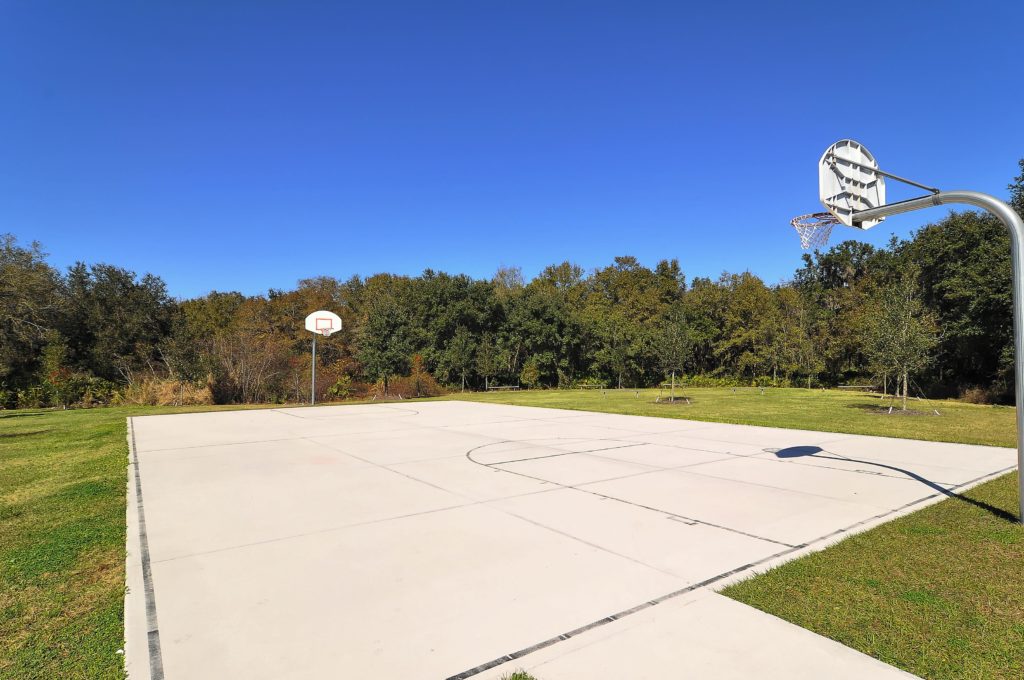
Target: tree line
[[934, 310]]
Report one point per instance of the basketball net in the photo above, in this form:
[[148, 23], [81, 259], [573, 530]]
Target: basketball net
[[814, 229]]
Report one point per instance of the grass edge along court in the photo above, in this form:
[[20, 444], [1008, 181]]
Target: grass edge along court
[[794, 408], [63, 522], [63, 481]]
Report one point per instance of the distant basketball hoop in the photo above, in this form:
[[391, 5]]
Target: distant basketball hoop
[[320, 323], [324, 326], [323, 322]]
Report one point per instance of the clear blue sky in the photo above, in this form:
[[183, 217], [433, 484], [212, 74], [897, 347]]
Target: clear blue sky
[[245, 145]]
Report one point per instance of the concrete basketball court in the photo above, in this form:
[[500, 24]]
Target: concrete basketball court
[[464, 540]]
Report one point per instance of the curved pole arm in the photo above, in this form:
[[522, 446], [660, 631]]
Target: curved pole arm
[[1014, 223]]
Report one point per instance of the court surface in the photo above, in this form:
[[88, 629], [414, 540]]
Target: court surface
[[463, 540]]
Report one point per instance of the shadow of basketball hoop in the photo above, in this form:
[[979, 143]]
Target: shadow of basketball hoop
[[816, 451], [797, 451]]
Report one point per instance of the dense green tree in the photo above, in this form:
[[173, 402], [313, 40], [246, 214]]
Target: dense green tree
[[113, 320], [385, 347], [534, 325], [181, 352], [749, 324], [531, 373], [611, 358], [800, 351], [488, 358], [31, 304], [57, 377], [706, 305], [965, 279], [1017, 190], [458, 355], [633, 299]]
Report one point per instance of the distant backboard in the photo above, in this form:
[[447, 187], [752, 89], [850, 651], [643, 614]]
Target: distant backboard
[[323, 322], [848, 182]]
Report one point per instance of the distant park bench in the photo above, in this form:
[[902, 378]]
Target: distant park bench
[[498, 388], [591, 387], [861, 388]]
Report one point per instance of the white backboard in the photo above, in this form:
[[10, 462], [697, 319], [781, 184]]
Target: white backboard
[[323, 322], [847, 182]]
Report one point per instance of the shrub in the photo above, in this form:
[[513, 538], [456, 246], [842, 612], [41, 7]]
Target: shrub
[[701, 380], [164, 392], [223, 389], [8, 397], [978, 395], [98, 392], [341, 389], [419, 382], [32, 397], [530, 375]]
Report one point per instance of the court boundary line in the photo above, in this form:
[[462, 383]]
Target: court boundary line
[[156, 664]]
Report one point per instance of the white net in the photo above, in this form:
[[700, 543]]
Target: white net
[[814, 229]]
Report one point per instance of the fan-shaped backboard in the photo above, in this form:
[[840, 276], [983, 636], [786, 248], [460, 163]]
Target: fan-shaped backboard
[[847, 182]]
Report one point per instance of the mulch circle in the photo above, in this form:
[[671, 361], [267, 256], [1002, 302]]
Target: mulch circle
[[897, 411]]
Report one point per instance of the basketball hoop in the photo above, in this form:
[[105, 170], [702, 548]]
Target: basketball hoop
[[323, 323], [319, 323], [814, 228], [851, 186]]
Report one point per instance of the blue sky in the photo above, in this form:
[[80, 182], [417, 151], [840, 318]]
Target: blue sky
[[245, 145]]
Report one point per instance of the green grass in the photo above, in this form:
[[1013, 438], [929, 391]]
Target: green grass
[[62, 530], [829, 411], [939, 592], [62, 523]]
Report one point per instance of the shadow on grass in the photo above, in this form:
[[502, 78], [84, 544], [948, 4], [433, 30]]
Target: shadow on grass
[[814, 451], [5, 416], [13, 435]]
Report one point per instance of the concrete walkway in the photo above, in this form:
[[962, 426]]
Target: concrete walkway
[[701, 635], [436, 540]]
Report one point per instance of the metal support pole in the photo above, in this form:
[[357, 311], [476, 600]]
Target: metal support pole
[[312, 381], [1014, 223]]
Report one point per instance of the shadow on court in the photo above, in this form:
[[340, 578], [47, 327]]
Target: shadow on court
[[816, 452]]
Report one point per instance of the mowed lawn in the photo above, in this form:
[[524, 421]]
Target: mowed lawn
[[827, 411], [939, 592], [62, 530], [62, 526]]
